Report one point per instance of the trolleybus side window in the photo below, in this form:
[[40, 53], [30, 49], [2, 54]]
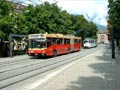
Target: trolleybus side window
[[49, 42], [59, 41], [66, 41], [54, 41], [31, 44], [76, 40]]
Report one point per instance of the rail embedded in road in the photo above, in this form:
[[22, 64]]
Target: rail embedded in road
[[19, 74]]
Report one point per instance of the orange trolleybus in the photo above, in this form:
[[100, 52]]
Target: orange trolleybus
[[52, 44]]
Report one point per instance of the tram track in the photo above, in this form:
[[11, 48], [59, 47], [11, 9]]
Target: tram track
[[2, 64], [9, 77], [28, 63]]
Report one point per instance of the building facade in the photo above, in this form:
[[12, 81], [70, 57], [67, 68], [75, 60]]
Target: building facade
[[102, 36]]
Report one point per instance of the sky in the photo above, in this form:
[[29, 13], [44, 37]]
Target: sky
[[93, 10]]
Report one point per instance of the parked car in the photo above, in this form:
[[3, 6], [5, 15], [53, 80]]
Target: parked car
[[106, 42]]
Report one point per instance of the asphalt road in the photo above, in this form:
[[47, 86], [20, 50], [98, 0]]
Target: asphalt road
[[19, 74]]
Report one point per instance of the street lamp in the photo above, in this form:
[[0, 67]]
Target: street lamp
[[113, 44], [113, 37]]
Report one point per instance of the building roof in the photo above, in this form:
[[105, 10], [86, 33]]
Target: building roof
[[17, 6]]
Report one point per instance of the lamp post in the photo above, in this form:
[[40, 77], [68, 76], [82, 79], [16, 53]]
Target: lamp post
[[113, 44], [113, 37]]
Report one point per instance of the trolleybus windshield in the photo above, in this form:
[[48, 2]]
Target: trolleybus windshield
[[36, 43], [86, 41]]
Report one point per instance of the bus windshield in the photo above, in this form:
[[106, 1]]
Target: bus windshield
[[86, 41], [36, 43]]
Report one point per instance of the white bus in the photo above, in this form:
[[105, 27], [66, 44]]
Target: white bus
[[89, 43]]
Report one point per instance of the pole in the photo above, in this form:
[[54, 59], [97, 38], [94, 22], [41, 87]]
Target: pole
[[113, 44], [11, 46]]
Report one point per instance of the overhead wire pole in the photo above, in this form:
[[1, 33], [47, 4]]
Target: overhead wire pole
[[113, 38], [113, 44]]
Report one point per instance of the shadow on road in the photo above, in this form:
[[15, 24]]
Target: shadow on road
[[106, 75]]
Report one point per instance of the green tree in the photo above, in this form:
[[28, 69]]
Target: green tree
[[82, 27], [114, 18], [42, 18], [47, 18], [92, 30], [30, 19], [78, 25], [6, 9]]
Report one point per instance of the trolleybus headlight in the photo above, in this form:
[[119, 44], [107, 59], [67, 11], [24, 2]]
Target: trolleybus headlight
[[31, 51], [43, 51], [43, 54]]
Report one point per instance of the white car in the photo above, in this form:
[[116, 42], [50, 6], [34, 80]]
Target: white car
[[107, 42]]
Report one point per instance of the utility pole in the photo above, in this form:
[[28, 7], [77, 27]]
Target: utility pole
[[113, 38], [113, 43]]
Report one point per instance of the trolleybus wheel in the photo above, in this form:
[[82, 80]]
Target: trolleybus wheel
[[79, 49], [54, 53], [68, 50]]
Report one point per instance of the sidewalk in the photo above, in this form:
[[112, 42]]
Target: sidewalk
[[96, 72], [20, 57]]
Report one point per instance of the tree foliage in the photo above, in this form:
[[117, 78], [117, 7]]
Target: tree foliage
[[43, 18], [114, 16], [6, 9]]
